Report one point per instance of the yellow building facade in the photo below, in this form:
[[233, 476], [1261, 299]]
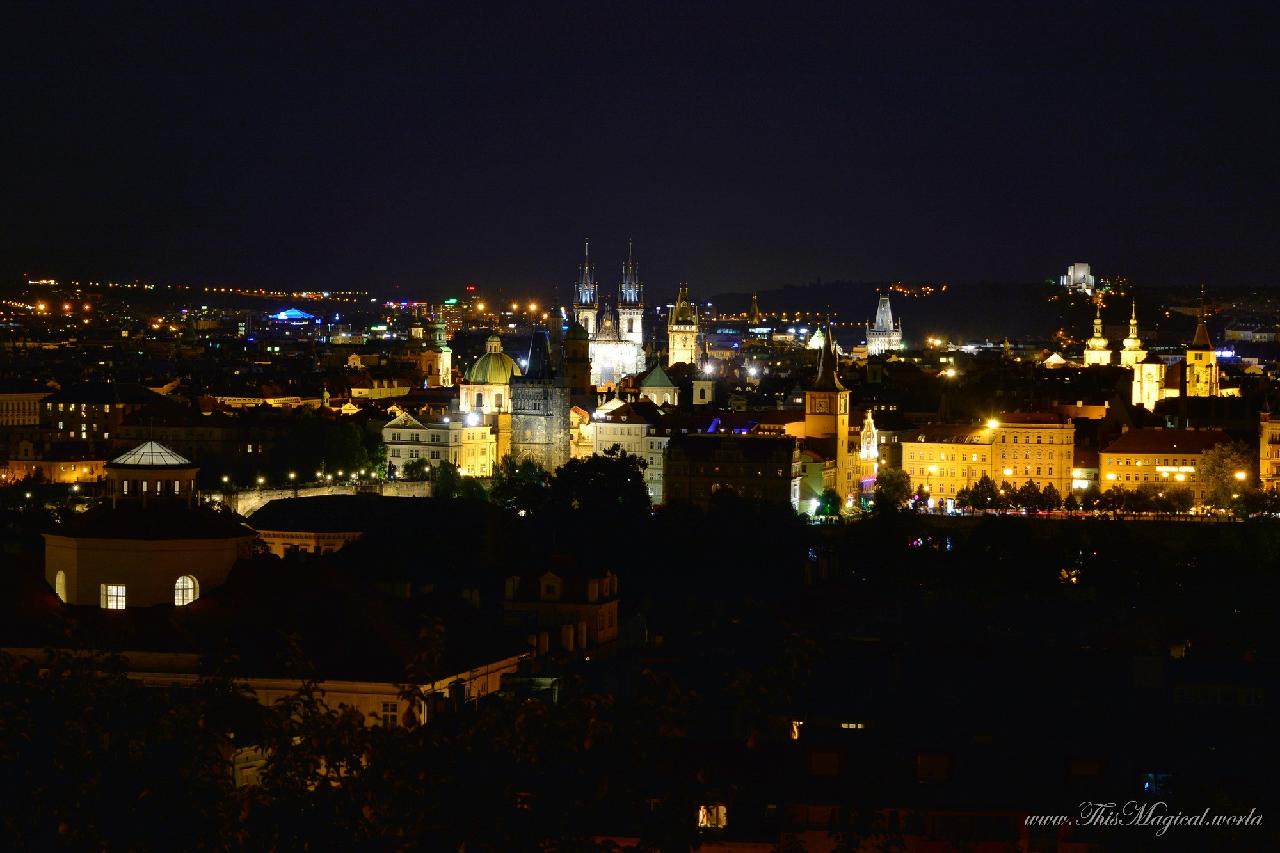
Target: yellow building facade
[[1160, 457], [944, 458], [1269, 452]]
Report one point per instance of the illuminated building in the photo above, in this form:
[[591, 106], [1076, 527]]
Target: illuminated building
[[470, 443], [615, 335], [826, 415], [486, 387], [92, 412], [1133, 354], [682, 330], [1159, 457], [1202, 364], [1269, 451], [942, 459], [20, 403], [1097, 352], [540, 409], [437, 359], [1079, 278], [885, 334], [631, 303], [151, 544], [586, 305]]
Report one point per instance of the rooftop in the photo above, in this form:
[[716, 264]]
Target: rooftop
[[151, 454], [1168, 441]]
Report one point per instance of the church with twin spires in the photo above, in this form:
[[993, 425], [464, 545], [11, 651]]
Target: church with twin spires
[[615, 333]]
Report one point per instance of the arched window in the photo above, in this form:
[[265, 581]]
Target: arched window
[[186, 590], [497, 402], [479, 401], [60, 584]]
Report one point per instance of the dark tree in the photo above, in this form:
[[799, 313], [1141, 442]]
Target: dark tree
[[892, 489], [829, 504], [984, 494], [610, 484], [522, 486]]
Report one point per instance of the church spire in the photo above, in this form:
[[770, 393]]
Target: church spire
[[828, 378], [1133, 342], [585, 293], [631, 292]]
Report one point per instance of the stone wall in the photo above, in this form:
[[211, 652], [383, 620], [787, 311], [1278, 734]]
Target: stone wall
[[247, 501]]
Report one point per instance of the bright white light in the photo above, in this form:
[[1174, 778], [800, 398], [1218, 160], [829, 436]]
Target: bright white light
[[472, 419], [753, 371]]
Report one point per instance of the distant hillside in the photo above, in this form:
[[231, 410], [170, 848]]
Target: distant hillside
[[963, 312]]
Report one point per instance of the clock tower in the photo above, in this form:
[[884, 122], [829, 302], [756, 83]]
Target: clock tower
[[826, 412]]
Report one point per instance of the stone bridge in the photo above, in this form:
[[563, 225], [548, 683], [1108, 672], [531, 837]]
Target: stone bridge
[[246, 501]]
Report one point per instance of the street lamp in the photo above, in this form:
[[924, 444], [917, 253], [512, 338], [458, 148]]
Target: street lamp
[[992, 423], [292, 476], [261, 480], [1241, 475]]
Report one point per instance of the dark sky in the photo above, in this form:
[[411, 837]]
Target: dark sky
[[744, 145]]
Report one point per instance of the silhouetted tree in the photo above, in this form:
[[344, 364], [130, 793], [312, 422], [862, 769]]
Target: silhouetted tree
[[892, 489], [522, 486]]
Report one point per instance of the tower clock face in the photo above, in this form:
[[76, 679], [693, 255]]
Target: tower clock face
[[821, 405]]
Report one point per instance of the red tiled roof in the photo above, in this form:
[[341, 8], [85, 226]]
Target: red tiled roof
[[1168, 441]]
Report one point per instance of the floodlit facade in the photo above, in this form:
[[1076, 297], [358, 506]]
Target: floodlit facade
[[1269, 451], [615, 335], [942, 459], [1159, 457], [682, 330], [469, 443], [1079, 278], [885, 334], [1097, 350]]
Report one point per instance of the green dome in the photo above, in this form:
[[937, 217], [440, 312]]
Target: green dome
[[492, 368]]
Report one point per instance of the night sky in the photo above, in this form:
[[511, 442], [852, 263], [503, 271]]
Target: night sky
[[743, 145]]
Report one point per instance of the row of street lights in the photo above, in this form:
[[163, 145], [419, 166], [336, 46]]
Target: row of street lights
[[320, 477]]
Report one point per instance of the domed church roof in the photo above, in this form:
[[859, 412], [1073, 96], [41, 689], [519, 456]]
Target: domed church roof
[[495, 367]]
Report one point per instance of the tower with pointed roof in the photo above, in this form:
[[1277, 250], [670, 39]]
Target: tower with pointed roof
[[885, 334], [540, 409], [586, 303], [1201, 372], [1097, 351], [631, 301], [755, 317], [1133, 354], [826, 412], [682, 330]]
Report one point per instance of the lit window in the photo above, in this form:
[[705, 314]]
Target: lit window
[[712, 816], [186, 590], [112, 596], [60, 584], [856, 726]]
